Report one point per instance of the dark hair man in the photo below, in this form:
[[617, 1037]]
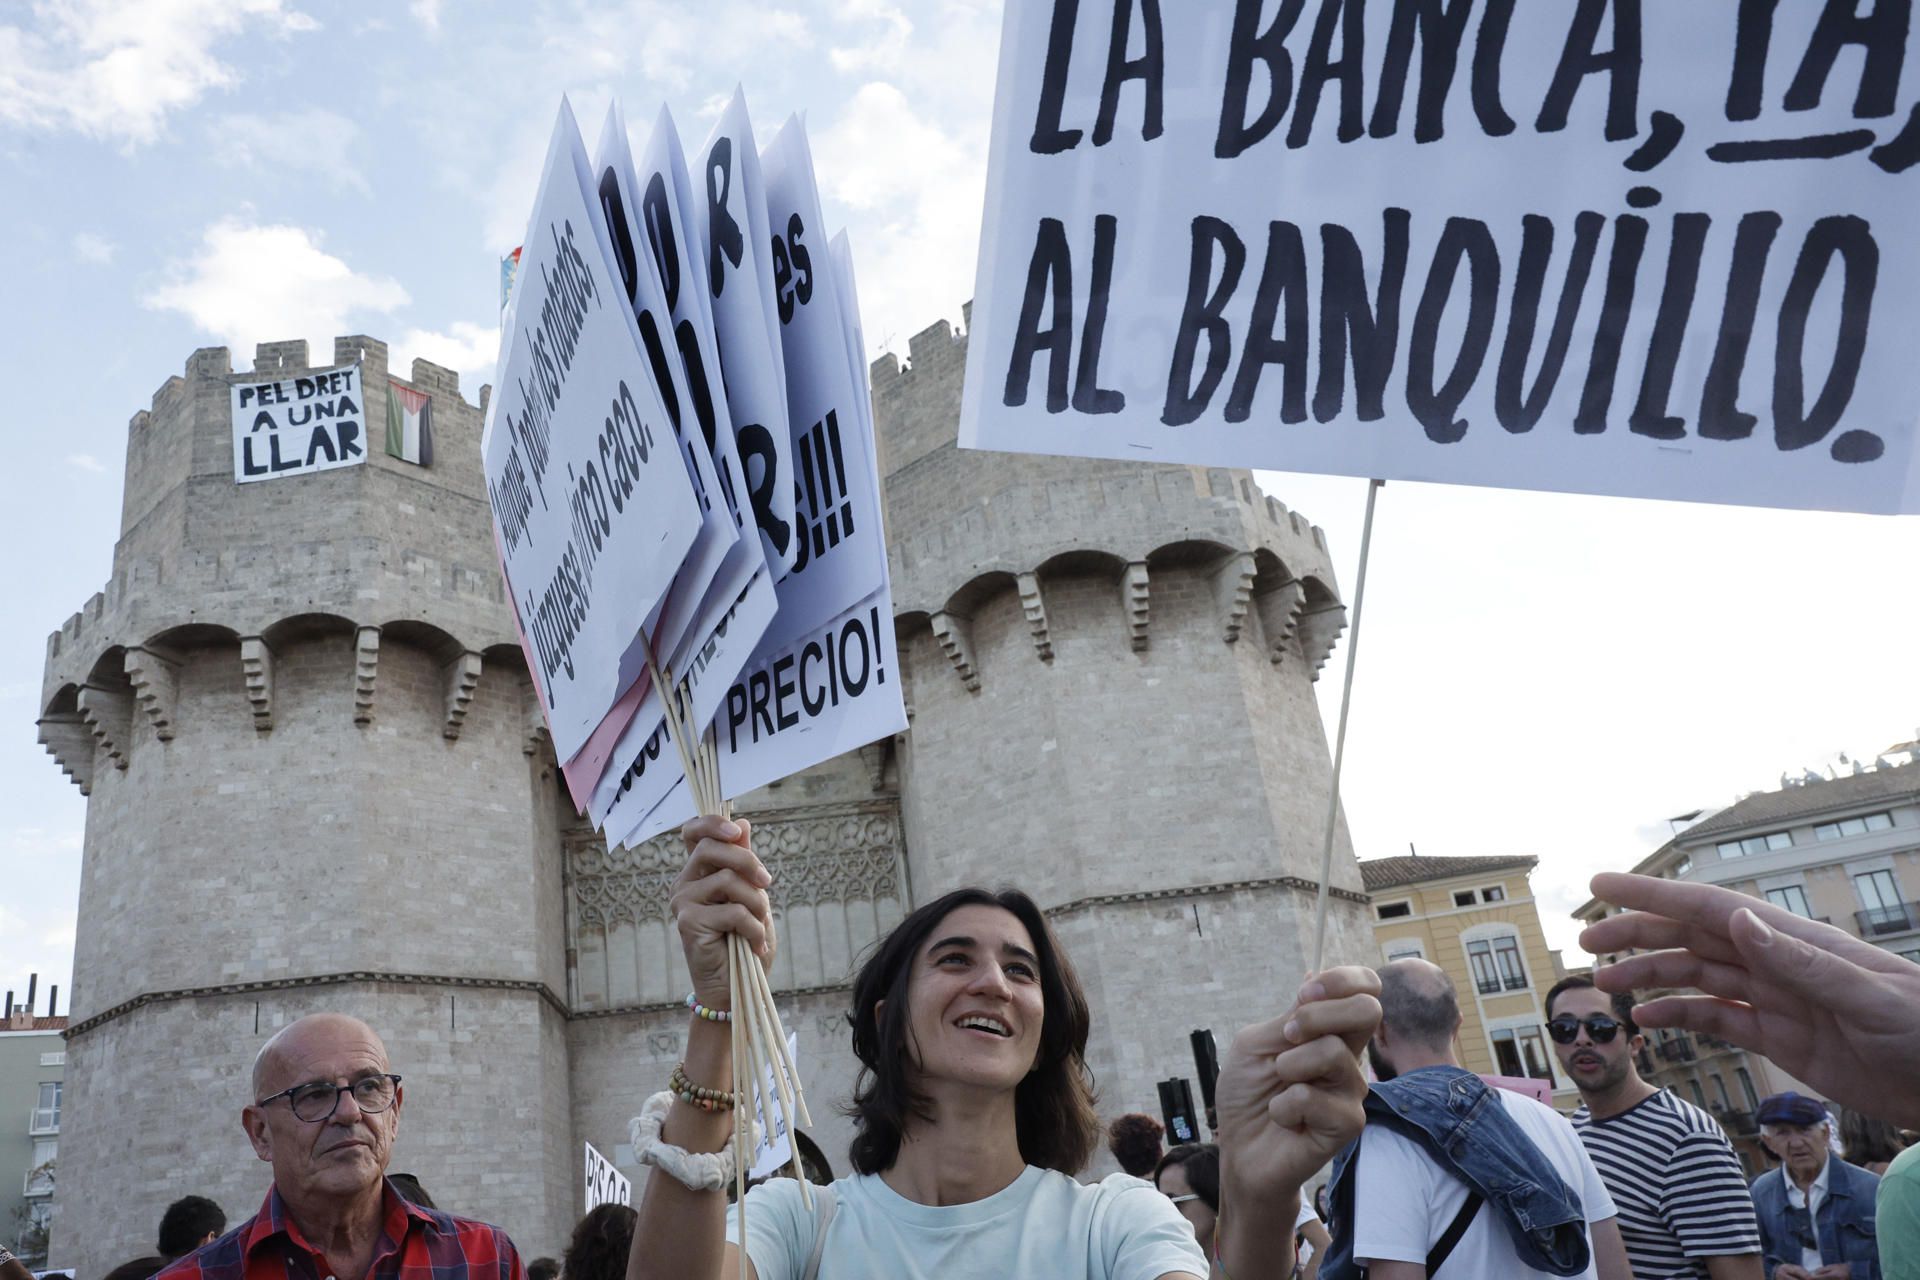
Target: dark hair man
[[325, 1111], [188, 1223], [1134, 1139], [1452, 1179], [543, 1269], [1816, 1211], [1684, 1207]]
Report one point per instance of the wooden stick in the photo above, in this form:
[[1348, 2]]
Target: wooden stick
[[791, 1072], [742, 1120], [774, 1062]]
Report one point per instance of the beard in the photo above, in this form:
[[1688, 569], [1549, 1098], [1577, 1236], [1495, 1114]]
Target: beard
[[1382, 1069]]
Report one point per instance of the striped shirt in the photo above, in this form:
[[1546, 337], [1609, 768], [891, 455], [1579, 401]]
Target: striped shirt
[[1679, 1188]]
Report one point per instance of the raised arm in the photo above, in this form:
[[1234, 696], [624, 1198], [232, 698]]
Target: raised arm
[[681, 1233]]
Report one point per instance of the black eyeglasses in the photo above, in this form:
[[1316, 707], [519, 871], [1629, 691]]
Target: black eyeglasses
[[317, 1101], [1565, 1029]]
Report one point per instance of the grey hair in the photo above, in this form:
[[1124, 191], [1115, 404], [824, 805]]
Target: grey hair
[[1417, 1003]]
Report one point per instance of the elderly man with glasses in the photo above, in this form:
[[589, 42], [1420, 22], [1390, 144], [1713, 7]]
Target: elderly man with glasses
[[325, 1111], [1816, 1210]]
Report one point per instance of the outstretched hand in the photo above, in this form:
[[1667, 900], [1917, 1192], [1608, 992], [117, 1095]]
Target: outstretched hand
[[1830, 1009], [1290, 1092]]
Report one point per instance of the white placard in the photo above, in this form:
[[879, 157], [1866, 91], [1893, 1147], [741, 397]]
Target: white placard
[[733, 237], [1654, 250], [605, 1184], [291, 426], [775, 1146], [591, 500]]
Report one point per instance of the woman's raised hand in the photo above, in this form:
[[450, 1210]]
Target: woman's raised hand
[[721, 890]]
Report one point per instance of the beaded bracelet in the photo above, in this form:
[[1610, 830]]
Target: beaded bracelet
[[696, 1095], [701, 1011]]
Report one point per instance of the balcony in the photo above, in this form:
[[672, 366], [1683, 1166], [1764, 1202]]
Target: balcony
[[1645, 1060], [43, 1122], [1738, 1124], [1677, 1049], [38, 1183], [1877, 922], [1712, 1044]]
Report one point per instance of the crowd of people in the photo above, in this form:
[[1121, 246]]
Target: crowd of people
[[974, 1112]]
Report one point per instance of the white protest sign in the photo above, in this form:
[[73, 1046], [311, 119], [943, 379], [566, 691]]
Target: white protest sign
[[739, 271], [1656, 250], [605, 1184], [841, 555], [291, 426], [775, 1147], [825, 693], [590, 498]]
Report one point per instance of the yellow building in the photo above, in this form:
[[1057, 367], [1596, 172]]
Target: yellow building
[[1475, 918]]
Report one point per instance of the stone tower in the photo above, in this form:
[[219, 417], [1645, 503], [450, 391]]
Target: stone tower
[[318, 779], [302, 719]]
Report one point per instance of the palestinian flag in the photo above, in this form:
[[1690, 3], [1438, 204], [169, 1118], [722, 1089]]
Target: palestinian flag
[[409, 424]]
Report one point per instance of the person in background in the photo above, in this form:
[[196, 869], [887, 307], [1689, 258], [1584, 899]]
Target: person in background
[[189, 1223], [600, 1245], [1134, 1139], [1897, 1219], [1816, 1211], [1683, 1201], [137, 1269], [543, 1269], [411, 1191], [1872, 1144]]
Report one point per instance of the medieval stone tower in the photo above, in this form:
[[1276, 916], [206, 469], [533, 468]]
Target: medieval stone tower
[[318, 779]]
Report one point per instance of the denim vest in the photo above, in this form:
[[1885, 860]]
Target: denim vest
[[1844, 1230], [1454, 1116]]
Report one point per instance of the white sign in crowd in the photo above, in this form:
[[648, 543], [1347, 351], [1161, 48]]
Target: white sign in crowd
[[680, 460], [605, 1184], [1653, 250]]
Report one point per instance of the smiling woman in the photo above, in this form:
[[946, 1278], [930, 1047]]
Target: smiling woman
[[974, 1109]]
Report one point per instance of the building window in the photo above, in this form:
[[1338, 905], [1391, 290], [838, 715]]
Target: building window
[[1463, 897], [1792, 898], [1755, 844], [1699, 1096], [46, 1115], [1519, 1051], [1394, 910], [1853, 826], [39, 1182], [1720, 1088], [1884, 913], [1746, 1087], [1506, 952], [1485, 976], [1493, 893], [1682, 868], [1911, 955], [1404, 949]]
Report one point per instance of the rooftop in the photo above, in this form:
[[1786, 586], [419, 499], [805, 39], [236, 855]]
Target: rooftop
[[1813, 797], [1389, 873], [32, 1023]]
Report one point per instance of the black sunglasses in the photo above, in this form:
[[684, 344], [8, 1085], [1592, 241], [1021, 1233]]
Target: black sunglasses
[[1565, 1029]]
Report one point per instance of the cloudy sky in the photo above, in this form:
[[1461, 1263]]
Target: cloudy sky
[[1539, 674]]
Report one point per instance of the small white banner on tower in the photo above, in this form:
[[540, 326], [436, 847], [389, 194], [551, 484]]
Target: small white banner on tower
[[291, 426], [1650, 250], [605, 1184]]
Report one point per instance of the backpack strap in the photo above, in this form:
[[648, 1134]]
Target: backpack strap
[[824, 1206], [1443, 1248]]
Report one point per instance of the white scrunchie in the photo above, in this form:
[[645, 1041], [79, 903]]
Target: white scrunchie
[[695, 1170]]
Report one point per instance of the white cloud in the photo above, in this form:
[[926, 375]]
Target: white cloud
[[426, 13], [92, 248], [469, 349], [117, 69], [86, 462], [262, 142], [884, 37], [251, 284]]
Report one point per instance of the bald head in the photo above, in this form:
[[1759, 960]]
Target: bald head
[[303, 1039], [1417, 1003]]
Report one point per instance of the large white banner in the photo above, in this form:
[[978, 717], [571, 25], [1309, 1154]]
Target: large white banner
[[592, 504], [1660, 250], [291, 426]]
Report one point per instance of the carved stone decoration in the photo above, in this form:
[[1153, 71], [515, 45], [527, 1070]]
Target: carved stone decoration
[[1279, 611], [463, 676], [875, 756], [256, 667], [1233, 589], [955, 635], [534, 725], [154, 689], [366, 668], [1133, 596], [68, 740], [108, 714], [1319, 628], [1035, 608]]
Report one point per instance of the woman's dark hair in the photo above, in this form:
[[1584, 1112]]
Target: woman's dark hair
[[1200, 1161], [600, 1245], [1867, 1140], [1134, 1140], [1053, 1106]]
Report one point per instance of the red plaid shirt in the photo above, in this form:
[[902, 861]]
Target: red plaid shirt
[[415, 1244]]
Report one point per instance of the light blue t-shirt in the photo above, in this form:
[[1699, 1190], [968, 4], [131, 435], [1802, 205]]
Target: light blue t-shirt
[[1044, 1225]]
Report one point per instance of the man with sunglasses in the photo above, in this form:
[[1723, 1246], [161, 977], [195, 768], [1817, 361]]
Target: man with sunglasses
[[325, 1111], [1816, 1211], [1684, 1207]]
